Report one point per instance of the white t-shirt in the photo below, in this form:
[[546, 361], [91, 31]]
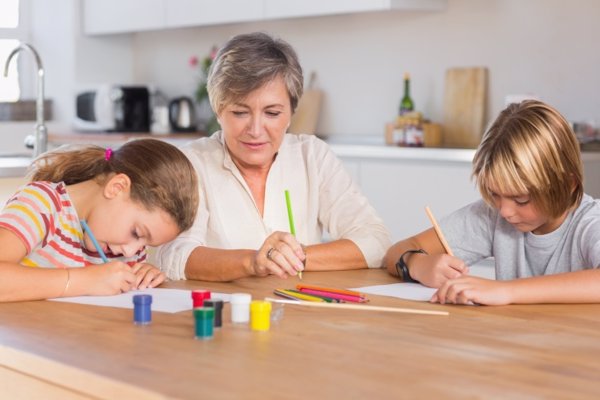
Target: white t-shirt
[[478, 231], [324, 199]]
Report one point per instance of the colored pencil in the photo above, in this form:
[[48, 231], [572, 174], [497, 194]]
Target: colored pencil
[[343, 297], [299, 296], [87, 229], [285, 295], [324, 296], [439, 232], [302, 286], [346, 306], [288, 203]]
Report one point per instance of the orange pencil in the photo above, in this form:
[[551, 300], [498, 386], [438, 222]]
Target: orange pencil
[[439, 232], [301, 286]]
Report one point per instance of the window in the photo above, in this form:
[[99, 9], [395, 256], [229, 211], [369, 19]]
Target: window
[[10, 33]]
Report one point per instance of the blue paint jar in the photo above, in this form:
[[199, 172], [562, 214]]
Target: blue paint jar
[[142, 315]]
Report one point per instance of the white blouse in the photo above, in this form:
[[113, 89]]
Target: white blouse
[[324, 199]]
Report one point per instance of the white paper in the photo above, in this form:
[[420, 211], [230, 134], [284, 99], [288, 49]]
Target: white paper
[[407, 291], [418, 292], [165, 300]]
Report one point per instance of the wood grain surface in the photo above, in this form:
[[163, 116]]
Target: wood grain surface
[[538, 351]]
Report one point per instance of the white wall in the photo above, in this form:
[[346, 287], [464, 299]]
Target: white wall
[[71, 61], [546, 47]]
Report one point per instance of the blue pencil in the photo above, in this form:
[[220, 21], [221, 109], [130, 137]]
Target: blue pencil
[[87, 229]]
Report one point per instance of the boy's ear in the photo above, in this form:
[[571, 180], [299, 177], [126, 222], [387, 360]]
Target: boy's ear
[[119, 183]]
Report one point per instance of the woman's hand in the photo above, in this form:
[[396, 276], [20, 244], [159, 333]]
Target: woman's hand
[[147, 275], [114, 277], [471, 289], [280, 254], [436, 269]]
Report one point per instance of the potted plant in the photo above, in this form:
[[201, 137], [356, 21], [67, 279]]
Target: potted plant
[[206, 117]]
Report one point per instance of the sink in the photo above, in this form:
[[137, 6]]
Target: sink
[[14, 164], [16, 155]]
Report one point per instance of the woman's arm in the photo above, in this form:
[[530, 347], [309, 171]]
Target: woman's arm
[[280, 254], [334, 256], [210, 264], [569, 287]]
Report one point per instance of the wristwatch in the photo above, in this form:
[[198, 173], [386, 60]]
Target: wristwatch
[[402, 268]]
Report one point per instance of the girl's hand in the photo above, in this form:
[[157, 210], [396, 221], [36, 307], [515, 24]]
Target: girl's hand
[[436, 269], [470, 289], [114, 277], [280, 254], [147, 275]]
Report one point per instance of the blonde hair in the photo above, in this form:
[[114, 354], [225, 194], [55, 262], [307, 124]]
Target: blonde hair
[[161, 175], [249, 61], [531, 149]]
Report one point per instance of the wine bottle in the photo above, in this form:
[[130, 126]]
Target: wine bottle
[[406, 104]]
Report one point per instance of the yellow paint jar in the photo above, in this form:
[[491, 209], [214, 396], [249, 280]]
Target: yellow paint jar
[[260, 315]]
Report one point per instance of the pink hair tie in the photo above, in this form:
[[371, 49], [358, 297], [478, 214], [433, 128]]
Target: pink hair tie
[[107, 154]]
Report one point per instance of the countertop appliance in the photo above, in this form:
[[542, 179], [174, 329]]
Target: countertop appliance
[[114, 108], [181, 115]]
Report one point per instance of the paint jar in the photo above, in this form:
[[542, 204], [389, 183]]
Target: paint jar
[[217, 304], [204, 321], [240, 308], [277, 312], [260, 315], [198, 297], [142, 315]]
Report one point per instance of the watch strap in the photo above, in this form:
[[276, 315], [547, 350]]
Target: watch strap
[[402, 268]]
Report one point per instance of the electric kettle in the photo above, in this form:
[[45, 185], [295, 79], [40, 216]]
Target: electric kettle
[[181, 115]]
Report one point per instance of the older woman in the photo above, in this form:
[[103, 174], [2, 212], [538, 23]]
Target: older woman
[[242, 226]]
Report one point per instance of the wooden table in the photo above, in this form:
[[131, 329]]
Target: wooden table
[[66, 351]]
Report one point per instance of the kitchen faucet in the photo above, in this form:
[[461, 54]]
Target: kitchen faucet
[[39, 142]]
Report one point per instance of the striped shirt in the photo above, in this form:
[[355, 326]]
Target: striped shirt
[[42, 215]]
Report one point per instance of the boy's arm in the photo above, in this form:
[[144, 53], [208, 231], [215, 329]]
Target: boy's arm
[[569, 287], [431, 269], [426, 240]]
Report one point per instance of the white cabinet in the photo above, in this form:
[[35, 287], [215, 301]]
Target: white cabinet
[[399, 189], [308, 8], [400, 182], [119, 16], [180, 13]]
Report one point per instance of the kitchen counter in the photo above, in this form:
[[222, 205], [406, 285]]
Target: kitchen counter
[[374, 147], [14, 166], [359, 147], [118, 138]]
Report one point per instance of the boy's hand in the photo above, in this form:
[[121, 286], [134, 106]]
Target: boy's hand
[[147, 275], [435, 270], [471, 289]]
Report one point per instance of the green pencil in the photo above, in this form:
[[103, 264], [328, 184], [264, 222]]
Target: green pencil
[[288, 203]]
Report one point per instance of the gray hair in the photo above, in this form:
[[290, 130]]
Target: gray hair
[[249, 61]]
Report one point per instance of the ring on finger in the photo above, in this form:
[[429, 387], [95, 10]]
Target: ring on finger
[[270, 253]]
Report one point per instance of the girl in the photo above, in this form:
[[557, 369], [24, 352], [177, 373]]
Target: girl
[[534, 219], [143, 194]]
